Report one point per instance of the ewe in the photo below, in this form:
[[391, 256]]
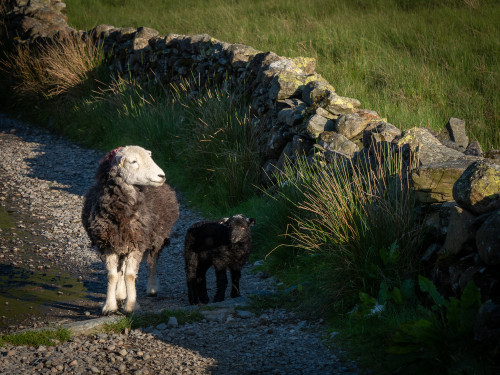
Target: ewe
[[223, 244], [129, 213]]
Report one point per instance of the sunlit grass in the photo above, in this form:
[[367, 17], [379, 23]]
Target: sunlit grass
[[417, 63]]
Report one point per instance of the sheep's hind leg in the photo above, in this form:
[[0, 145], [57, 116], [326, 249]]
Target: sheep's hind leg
[[121, 289], [221, 279], [152, 289], [132, 262], [110, 305]]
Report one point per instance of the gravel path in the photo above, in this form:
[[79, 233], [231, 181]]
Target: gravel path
[[42, 180]]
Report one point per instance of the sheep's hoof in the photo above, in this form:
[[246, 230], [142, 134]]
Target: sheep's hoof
[[153, 294], [109, 309]]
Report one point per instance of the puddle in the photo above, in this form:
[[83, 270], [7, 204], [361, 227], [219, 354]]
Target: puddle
[[29, 284]]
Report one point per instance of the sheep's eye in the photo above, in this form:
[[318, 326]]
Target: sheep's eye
[[133, 162]]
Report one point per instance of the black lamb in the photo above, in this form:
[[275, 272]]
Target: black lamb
[[223, 244], [128, 213]]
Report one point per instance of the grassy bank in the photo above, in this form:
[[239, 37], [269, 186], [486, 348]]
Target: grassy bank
[[345, 242], [415, 62]]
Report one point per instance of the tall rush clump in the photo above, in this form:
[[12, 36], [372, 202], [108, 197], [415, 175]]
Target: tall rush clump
[[359, 218], [68, 66]]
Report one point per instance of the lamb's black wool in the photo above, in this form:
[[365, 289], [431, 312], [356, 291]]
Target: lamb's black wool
[[223, 244]]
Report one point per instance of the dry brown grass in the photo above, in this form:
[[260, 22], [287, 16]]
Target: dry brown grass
[[46, 71]]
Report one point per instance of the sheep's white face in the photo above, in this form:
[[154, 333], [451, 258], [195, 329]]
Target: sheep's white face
[[136, 167]]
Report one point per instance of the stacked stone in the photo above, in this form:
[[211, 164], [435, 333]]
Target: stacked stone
[[35, 21]]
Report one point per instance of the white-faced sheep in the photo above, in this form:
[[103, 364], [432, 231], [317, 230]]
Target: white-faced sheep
[[223, 244], [128, 213]]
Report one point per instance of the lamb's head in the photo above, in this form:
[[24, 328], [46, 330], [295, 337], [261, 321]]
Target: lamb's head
[[136, 166], [239, 227]]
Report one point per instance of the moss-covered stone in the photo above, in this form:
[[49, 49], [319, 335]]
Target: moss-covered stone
[[478, 188], [434, 182]]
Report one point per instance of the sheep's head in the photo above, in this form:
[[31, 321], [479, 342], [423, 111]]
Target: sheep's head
[[136, 166], [239, 227]]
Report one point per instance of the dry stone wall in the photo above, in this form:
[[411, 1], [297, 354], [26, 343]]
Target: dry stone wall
[[295, 110]]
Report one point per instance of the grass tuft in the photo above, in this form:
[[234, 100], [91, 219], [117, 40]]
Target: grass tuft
[[37, 338], [65, 66]]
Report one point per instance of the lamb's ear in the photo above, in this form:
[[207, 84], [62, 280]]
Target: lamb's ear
[[251, 221], [223, 220]]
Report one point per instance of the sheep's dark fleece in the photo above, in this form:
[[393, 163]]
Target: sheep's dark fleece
[[126, 222], [223, 244], [113, 218]]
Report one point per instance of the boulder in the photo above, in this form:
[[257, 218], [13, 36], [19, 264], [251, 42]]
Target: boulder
[[317, 124], [456, 131], [478, 188], [332, 141], [352, 124], [487, 326], [317, 92], [379, 131], [430, 149], [289, 84], [474, 149], [434, 182], [488, 240], [293, 114], [340, 105], [458, 231]]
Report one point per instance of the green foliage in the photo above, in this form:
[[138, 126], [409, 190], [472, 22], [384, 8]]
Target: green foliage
[[37, 338], [360, 219], [119, 326], [441, 341]]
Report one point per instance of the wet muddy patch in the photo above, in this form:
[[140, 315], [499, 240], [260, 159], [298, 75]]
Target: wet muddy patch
[[32, 287]]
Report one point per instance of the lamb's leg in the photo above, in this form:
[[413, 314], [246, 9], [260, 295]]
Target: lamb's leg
[[121, 290], [235, 283], [191, 283], [111, 261], [201, 282], [152, 289], [221, 279], [132, 262]]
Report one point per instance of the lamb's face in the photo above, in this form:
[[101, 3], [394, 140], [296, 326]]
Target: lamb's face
[[136, 167], [239, 226]]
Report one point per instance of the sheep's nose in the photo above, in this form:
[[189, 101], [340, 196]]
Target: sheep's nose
[[161, 175]]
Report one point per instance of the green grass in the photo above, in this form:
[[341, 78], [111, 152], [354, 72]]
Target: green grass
[[417, 63], [153, 319], [37, 338]]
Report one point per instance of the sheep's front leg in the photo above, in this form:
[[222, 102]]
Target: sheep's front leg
[[111, 261], [152, 289], [235, 283], [221, 279], [121, 289], [132, 262]]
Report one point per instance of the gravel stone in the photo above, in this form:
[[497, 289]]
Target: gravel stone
[[42, 179]]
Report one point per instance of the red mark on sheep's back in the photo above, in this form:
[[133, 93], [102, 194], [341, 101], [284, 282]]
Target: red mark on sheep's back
[[110, 155]]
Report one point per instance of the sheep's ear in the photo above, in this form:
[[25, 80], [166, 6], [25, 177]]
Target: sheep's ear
[[223, 220], [251, 221]]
